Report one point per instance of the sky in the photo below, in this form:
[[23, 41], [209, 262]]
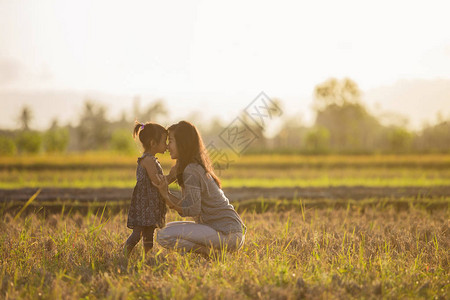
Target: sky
[[215, 57]]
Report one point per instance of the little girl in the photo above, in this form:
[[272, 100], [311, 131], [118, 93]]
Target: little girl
[[148, 209]]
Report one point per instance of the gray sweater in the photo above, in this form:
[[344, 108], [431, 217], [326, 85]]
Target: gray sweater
[[203, 200]]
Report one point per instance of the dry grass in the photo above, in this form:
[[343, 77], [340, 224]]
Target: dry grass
[[353, 252]]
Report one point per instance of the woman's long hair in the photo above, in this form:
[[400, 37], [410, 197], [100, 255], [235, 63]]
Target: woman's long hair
[[190, 149]]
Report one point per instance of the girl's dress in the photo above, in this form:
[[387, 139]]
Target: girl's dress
[[147, 206]]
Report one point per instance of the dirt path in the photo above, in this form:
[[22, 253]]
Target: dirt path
[[234, 194]]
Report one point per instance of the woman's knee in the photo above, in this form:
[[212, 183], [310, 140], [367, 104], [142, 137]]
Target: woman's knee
[[178, 223], [234, 241], [175, 237], [165, 238]]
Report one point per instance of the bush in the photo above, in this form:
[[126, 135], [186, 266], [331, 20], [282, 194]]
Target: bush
[[56, 140], [29, 142], [122, 142], [7, 146], [434, 138], [399, 140], [317, 140]]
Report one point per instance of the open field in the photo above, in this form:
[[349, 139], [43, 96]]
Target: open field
[[233, 178], [94, 160], [352, 252], [108, 159], [54, 199], [107, 170], [334, 227]]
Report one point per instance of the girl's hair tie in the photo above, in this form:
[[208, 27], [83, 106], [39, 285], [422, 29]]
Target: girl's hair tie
[[142, 127]]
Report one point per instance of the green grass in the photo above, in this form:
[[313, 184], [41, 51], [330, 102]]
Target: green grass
[[336, 253], [327, 181], [100, 159], [238, 182], [257, 177], [111, 170]]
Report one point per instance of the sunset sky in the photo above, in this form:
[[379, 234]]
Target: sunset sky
[[216, 56]]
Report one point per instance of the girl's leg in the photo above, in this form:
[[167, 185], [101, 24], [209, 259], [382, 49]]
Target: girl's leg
[[147, 234], [132, 240]]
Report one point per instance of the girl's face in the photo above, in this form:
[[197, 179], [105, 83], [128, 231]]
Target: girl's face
[[162, 146], [172, 146]]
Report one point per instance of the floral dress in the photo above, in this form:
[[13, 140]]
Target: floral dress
[[147, 207]]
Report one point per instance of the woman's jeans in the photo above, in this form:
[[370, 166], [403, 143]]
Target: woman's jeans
[[189, 236]]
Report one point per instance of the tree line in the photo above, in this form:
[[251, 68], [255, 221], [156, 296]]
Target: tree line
[[342, 125]]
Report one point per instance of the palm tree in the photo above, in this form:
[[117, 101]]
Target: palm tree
[[25, 117]]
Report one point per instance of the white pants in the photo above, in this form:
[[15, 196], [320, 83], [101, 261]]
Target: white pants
[[190, 236]]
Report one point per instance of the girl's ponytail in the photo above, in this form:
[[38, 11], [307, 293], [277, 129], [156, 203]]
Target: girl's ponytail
[[137, 126]]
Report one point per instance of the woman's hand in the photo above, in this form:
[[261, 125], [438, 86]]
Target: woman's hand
[[162, 185], [163, 188]]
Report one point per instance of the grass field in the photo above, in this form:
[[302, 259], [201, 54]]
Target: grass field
[[280, 160], [313, 253], [107, 170], [370, 248], [249, 178]]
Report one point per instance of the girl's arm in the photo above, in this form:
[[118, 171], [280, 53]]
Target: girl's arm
[[171, 200], [190, 203], [150, 166], [160, 182]]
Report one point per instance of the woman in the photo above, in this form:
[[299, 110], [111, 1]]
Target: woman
[[217, 224]]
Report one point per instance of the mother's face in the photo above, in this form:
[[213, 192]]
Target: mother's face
[[172, 146]]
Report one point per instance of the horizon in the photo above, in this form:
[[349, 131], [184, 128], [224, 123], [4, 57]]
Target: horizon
[[190, 106]]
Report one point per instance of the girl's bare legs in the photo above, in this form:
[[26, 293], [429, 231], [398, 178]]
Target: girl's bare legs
[[146, 233], [147, 238]]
